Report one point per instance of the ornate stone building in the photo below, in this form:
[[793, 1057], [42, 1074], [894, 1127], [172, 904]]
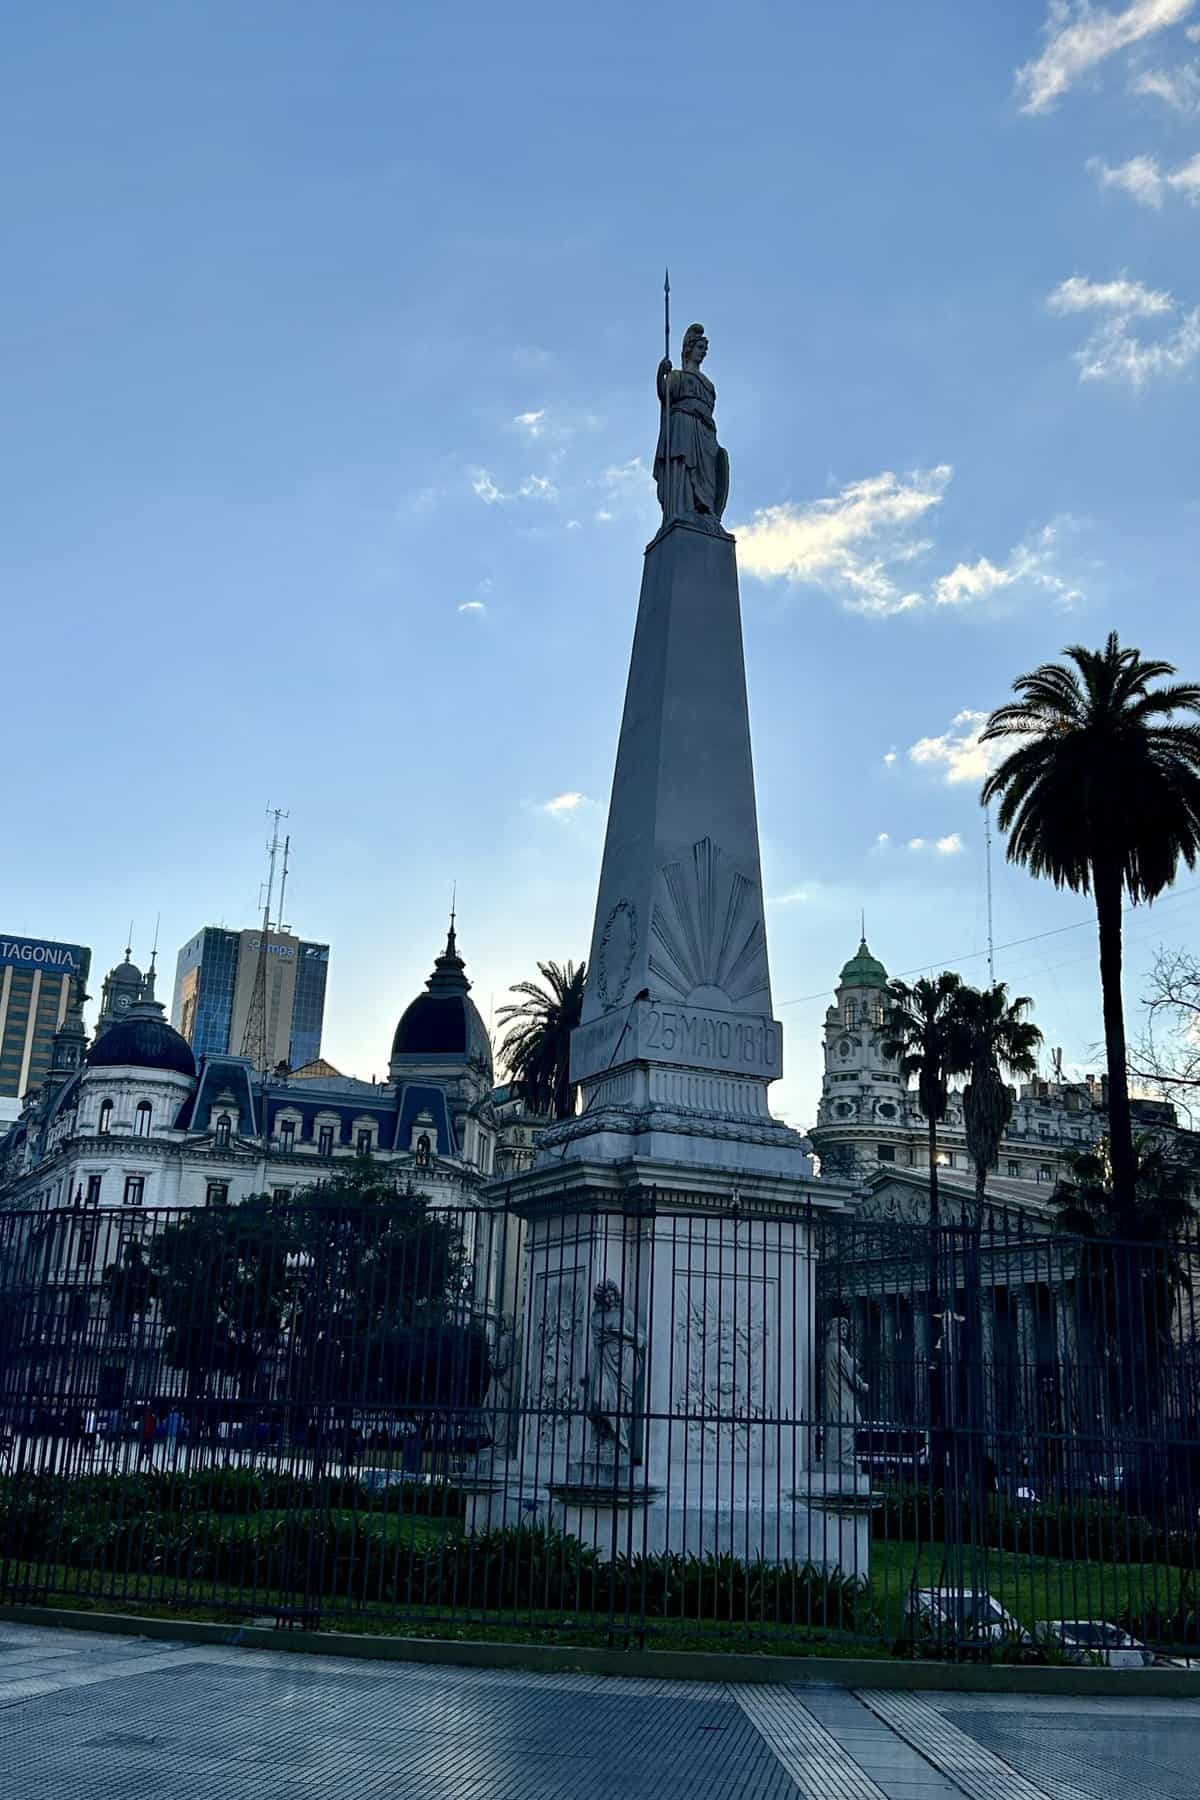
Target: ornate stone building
[[135, 1121], [869, 1121]]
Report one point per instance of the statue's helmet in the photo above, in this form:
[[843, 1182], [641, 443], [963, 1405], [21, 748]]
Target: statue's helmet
[[691, 336]]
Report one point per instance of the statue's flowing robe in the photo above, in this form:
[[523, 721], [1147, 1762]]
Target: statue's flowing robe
[[616, 1346], [842, 1390], [686, 474]]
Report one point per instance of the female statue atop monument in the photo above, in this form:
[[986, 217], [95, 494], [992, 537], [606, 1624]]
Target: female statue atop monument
[[691, 471]]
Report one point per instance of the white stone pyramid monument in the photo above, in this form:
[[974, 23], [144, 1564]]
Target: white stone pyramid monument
[[668, 1386]]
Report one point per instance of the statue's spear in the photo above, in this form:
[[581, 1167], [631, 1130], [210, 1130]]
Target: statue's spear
[[667, 396]]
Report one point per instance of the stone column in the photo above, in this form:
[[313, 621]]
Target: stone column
[[1066, 1340], [922, 1348], [885, 1402], [1027, 1369], [987, 1372]]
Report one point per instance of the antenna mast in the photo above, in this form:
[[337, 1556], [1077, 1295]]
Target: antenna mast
[[255, 1036], [987, 829], [287, 845]]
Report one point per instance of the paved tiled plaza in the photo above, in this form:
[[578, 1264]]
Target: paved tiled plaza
[[87, 1717]]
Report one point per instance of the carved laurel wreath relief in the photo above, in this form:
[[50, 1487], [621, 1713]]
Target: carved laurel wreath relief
[[707, 928], [618, 947]]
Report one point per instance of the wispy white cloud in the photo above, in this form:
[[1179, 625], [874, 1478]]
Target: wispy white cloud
[[1115, 351], [794, 897], [1178, 88], [1146, 182], [1133, 299], [532, 422], [859, 543], [602, 516], [950, 845], [538, 487], [889, 756], [473, 608], [957, 753], [531, 487], [1032, 563], [565, 806], [848, 543], [1080, 36], [485, 487]]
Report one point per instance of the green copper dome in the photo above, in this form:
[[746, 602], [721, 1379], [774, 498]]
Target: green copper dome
[[863, 970]]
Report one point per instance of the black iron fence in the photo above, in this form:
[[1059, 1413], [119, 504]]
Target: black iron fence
[[666, 1419]]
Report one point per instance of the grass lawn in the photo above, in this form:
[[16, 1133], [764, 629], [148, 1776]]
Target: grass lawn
[[1032, 1588]]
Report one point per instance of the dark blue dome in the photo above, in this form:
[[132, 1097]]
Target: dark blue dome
[[444, 1021], [143, 1043]]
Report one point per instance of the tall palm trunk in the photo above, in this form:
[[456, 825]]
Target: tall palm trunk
[[936, 1371], [1107, 884]]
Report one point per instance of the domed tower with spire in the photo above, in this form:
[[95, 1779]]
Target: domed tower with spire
[[441, 1041], [862, 1111], [124, 987]]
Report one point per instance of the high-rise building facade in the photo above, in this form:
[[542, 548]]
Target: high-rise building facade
[[35, 989], [216, 976]]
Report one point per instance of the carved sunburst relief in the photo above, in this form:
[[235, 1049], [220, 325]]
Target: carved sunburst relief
[[707, 929]]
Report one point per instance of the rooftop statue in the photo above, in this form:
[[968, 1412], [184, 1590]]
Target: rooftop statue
[[691, 470]]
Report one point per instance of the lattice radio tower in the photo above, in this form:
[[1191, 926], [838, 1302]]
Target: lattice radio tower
[[255, 1038]]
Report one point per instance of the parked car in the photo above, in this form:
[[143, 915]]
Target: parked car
[[1095, 1640], [953, 1613], [892, 1452]]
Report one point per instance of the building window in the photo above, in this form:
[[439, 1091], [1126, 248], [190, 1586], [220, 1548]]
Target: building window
[[1045, 1172], [135, 1188], [85, 1249], [1014, 1169], [363, 1142], [105, 1125], [224, 1127], [93, 1189], [217, 1193], [281, 1194], [287, 1136], [325, 1141], [423, 1150], [886, 1152], [141, 1118]]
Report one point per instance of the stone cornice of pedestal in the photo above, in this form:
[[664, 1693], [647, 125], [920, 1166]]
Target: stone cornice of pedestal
[[649, 1186], [677, 1120], [670, 525]]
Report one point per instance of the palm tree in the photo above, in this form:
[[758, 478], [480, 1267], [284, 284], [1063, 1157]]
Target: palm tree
[[537, 1045], [1130, 1270], [1102, 794], [920, 1032], [994, 1039]]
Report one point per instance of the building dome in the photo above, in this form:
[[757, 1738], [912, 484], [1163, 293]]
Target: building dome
[[143, 1040], [863, 970], [444, 1021]]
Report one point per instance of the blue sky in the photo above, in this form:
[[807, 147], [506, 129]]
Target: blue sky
[[329, 338]]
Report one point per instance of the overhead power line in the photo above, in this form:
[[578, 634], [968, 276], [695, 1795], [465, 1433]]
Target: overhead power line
[[1013, 944]]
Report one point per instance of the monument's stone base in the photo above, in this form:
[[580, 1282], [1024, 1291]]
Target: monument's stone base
[[825, 1521]]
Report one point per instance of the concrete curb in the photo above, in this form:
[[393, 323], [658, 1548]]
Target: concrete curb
[[667, 1665]]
